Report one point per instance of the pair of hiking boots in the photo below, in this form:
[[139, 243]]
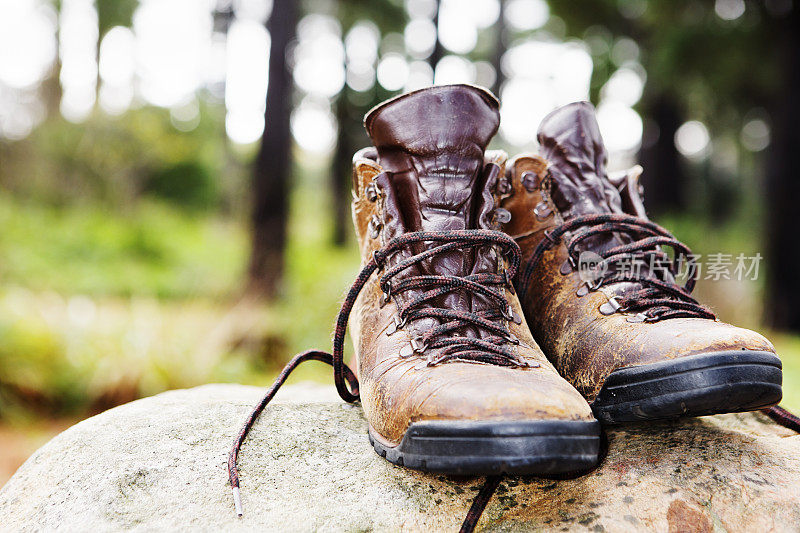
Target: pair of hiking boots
[[482, 343]]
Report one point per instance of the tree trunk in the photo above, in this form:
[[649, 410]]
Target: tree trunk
[[438, 51], [782, 258], [664, 179], [499, 50], [342, 163], [273, 163]]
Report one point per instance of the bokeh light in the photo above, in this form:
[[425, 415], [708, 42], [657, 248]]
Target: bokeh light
[[692, 140], [117, 70], [457, 29], [454, 69], [620, 126], [78, 52], [319, 67], [729, 9], [420, 38], [755, 134], [314, 126], [246, 81], [392, 71], [420, 74], [29, 26], [541, 75], [527, 14], [361, 50], [173, 41], [624, 86]]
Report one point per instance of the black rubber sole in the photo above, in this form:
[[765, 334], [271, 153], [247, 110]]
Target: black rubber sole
[[488, 448], [698, 385]]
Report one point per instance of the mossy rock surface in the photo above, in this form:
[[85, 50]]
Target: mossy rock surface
[[160, 464]]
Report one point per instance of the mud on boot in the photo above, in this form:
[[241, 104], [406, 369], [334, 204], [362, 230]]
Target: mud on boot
[[633, 341]]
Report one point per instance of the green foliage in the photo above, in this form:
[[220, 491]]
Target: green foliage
[[157, 282], [112, 13], [389, 16], [150, 249], [113, 160], [788, 347], [718, 70], [187, 183]]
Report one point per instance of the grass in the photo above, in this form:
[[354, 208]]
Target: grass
[[98, 307], [153, 249], [788, 347]]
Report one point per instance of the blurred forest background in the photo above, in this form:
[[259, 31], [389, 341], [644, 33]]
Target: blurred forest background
[[155, 235]]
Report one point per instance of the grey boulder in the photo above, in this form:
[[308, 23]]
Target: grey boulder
[[160, 464]]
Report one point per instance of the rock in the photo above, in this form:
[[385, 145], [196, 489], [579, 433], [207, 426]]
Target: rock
[[159, 464]]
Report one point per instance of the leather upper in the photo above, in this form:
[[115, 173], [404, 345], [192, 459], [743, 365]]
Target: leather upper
[[430, 145], [585, 345], [430, 171]]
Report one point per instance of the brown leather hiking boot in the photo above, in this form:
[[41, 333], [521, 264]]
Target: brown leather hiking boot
[[600, 293], [450, 378]]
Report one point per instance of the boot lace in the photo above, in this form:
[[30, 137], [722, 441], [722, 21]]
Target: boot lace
[[493, 349], [660, 297], [490, 350]]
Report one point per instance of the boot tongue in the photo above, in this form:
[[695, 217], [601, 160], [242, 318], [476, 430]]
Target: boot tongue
[[570, 140], [431, 145]]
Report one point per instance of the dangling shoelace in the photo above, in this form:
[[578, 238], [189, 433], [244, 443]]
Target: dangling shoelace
[[491, 350], [658, 299]]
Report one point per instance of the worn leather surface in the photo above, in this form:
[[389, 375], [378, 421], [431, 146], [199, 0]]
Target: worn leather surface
[[427, 172], [431, 144], [583, 344]]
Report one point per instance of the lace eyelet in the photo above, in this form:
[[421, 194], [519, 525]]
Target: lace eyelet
[[502, 215], [610, 307], [504, 185], [378, 260], [418, 345], [548, 234], [413, 346], [511, 316], [637, 318], [375, 225], [509, 283], [398, 323], [529, 180], [371, 192], [387, 295], [542, 211]]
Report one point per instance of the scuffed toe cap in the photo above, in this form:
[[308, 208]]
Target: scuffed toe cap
[[628, 345], [681, 337], [468, 392]]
